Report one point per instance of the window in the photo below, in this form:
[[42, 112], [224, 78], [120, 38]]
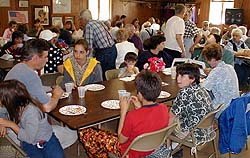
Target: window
[[100, 9], [217, 11]]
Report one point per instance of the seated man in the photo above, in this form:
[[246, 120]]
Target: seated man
[[35, 56], [192, 104], [132, 123]]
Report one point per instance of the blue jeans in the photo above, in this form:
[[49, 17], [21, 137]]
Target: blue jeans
[[52, 148], [106, 57]]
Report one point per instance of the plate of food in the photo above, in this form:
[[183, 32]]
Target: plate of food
[[111, 104], [164, 94], [72, 110], [64, 95], [95, 87]]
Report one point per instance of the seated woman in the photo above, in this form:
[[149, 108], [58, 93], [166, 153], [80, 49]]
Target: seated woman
[[28, 121], [14, 46], [241, 67], [99, 143], [80, 69], [154, 48], [191, 104], [222, 81]]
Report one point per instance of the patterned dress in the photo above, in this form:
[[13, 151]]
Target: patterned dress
[[190, 106]]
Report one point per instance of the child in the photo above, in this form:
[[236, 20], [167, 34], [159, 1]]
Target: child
[[28, 121], [130, 69], [147, 116]]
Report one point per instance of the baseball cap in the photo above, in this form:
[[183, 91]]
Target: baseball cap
[[47, 35]]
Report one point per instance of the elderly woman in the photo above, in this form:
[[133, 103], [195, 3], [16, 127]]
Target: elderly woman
[[191, 104], [241, 67], [154, 48], [222, 81], [79, 69]]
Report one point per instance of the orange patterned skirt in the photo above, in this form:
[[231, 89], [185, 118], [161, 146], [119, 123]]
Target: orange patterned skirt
[[98, 143]]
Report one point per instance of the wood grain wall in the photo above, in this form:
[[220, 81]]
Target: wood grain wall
[[141, 10]]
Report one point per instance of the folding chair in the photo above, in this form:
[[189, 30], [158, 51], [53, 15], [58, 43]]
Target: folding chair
[[112, 74], [49, 79], [206, 122], [150, 141], [15, 146]]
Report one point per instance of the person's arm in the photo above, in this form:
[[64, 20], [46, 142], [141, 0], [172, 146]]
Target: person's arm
[[197, 40], [8, 124], [56, 95], [124, 108], [179, 39], [172, 118]]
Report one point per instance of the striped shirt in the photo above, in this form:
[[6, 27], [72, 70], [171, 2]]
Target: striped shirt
[[97, 35]]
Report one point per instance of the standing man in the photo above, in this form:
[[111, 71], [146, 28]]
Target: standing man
[[101, 43], [175, 28], [191, 32], [34, 57]]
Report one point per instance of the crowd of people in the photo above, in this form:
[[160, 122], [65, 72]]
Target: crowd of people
[[83, 56]]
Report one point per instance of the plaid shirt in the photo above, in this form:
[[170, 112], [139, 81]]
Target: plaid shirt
[[97, 35], [190, 29]]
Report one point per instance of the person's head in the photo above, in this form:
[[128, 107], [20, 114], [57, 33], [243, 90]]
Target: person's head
[[108, 24], [37, 22], [155, 42], [215, 30], [180, 10], [13, 25], [14, 96], [17, 37], [35, 51], [122, 35], [205, 25], [212, 53], [85, 16], [123, 18], [136, 23], [236, 34], [48, 36], [151, 20], [130, 59], [119, 24], [188, 14], [81, 51], [131, 29], [68, 25], [231, 27], [148, 85], [213, 38], [187, 74], [23, 28], [243, 29]]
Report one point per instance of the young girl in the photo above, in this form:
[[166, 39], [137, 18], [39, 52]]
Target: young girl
[[28, 121], [130, 68]]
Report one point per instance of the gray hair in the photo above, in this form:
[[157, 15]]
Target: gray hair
[[179, 8], [86, 14], [243, 29], [237, 31], [215, 30]]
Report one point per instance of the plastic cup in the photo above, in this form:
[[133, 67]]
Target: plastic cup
[[69, 87], [121, 93], [81, 91], [173, 73], [127, 94]]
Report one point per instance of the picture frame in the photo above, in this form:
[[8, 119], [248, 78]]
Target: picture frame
[[56, 20], [42, 13], [61, 7], [222, 0], [69, 18], [18, 16]]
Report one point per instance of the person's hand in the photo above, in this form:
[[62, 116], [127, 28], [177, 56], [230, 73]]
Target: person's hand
[[3, 131], [130, 68], [57, 92], [183, 54], [124, 104], [5, 123], [136, 102], [207, 70]]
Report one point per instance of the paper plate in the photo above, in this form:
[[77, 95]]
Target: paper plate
[[164, 94], [95, 87], [167, 71], [111, 104], [127, 79], [72, 110]]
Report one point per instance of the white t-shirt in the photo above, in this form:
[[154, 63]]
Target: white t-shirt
[[122, 49], [175, 25]]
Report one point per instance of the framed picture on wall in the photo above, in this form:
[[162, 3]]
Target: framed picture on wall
[[42, 13], [18, 16], [56, 20], [62, 6], [69, 18]]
